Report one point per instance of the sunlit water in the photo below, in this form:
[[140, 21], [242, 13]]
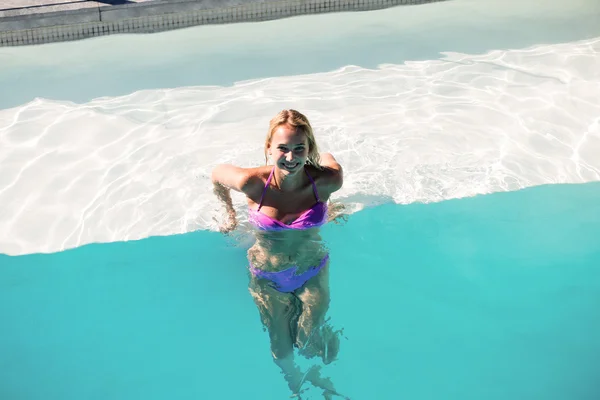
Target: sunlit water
[[106, 147], [101, 143]]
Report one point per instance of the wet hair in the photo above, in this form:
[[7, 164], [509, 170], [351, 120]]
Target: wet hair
[[297, 120]]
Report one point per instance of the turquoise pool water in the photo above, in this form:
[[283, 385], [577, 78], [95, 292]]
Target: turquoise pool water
[[490, 297]]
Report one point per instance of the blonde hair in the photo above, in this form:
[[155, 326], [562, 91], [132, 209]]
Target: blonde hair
[[297, 120]]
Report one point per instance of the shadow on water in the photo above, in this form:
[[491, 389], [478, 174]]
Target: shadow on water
[[491, 297], [221, 55]]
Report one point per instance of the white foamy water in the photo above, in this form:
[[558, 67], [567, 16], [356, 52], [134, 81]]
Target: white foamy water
[[127, 167]]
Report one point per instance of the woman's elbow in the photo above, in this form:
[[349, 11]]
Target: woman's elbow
[[214, 176], [218, 172]]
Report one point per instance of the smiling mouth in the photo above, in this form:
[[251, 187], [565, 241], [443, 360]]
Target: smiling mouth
[[290, 166]]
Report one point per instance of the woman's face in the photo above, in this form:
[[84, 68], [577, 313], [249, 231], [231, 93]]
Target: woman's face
[[289, 149]]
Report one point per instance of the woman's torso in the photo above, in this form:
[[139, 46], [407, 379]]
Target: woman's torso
[[278, 247]]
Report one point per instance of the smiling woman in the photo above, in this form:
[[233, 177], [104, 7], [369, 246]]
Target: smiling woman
[[119, 287], [288, 262]]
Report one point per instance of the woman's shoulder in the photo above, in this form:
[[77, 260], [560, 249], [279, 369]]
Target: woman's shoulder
[[260, 173], [255, 178], [327, 178], [243, 179]]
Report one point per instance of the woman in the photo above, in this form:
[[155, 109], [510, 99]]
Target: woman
[[289, 264]]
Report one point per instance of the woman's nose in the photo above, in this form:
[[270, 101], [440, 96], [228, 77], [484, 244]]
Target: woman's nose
[[289, 156]]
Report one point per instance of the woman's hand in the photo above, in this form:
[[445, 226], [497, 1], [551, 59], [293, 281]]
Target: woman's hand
[[227, 177], [336, 213], [230, 222]]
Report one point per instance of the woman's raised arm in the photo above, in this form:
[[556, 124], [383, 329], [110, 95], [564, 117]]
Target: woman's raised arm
[[226, 177], [335, 177], [232, 177]]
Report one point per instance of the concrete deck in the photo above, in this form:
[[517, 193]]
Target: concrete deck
[[24, 22], [13, 8]]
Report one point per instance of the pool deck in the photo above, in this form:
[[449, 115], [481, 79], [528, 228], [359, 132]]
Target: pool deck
[[12, 8], [25, 22]]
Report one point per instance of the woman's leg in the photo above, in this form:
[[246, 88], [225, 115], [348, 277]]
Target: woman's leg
[[315, 337], [279, 314]]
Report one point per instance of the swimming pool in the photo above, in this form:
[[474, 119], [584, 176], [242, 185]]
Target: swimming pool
[[468, 267]]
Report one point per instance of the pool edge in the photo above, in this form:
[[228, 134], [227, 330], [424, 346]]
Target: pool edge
[[161, 15]]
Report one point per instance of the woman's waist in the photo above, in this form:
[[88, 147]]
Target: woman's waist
[[278, 259]]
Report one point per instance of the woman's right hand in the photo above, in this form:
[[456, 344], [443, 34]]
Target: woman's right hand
[[230, 222], [226, 177]]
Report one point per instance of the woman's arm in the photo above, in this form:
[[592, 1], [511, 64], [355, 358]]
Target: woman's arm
[[231, 177], [226, 177], [335, 173], [329, 161], [334, 179]]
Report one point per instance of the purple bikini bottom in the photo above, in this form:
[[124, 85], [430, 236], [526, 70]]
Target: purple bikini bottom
[[287, 281]]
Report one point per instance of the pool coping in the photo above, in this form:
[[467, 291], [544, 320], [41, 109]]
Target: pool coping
[[162, 15]]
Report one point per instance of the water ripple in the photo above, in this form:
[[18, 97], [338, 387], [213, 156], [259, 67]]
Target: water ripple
[[123, 168]]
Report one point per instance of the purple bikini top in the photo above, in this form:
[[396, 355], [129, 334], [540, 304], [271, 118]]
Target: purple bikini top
[[313, 217]]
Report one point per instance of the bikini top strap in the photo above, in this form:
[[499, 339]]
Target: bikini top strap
[[265, 189], [313, 185]]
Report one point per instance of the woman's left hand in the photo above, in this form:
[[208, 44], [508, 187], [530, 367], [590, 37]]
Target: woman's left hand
[[335, 213]]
